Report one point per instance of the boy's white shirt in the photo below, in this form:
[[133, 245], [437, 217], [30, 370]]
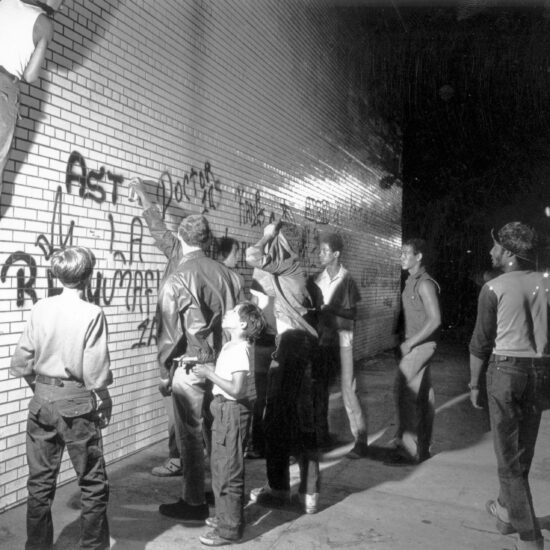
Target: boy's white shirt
[[235, 356]]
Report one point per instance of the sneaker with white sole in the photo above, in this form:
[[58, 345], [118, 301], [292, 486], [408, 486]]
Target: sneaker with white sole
[[268, 496], [171, 468], [310, 502]]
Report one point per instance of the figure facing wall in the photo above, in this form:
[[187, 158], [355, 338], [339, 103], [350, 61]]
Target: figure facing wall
[[239, 110]]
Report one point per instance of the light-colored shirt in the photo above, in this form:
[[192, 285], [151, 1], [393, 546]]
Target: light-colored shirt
[[328, 286], [65, 337], [235, 357], [512, 317], [16, 35]]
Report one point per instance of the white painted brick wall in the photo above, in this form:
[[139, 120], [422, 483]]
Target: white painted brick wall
[[255, 89]]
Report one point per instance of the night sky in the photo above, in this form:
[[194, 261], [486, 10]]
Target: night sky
[[468, 83]]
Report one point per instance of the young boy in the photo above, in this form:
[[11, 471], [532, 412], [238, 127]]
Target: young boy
[[233, 380], [63, 356]]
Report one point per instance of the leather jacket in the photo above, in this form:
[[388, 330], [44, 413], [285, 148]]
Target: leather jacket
[[192, 303]]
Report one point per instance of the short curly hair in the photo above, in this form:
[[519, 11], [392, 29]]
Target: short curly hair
[[252, 315], [73, 266], [334, 241], [519, 239], [194, 230]]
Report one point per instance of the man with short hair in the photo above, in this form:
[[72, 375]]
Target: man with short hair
[[413, 387], [511, 332], [336, 301], [192, 302], [63, 355]]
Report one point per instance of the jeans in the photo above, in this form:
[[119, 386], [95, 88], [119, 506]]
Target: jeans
[[415, 401], [513, 386], [188, 396], [229, 435], [9, 109], [48, 432]]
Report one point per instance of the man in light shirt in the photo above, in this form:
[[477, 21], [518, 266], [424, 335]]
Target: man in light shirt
[[337, 306], [511, 333]]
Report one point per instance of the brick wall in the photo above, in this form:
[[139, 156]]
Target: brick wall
[[238, 109]]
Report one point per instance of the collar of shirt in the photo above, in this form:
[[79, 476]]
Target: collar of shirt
[[324, 277], [192, 255]]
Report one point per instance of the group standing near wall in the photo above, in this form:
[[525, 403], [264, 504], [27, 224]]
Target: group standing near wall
[[239, 146]]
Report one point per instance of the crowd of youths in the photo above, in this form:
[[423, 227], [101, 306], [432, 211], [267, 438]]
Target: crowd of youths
[[252, 377]]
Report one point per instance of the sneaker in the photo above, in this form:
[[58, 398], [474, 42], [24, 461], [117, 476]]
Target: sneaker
[[310, 503], [499, 512], [360, 450], [212, 521], [268, 496], [171, 468], [213, 539], [185, 512]]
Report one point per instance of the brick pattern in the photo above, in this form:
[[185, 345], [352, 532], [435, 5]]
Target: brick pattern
[[236, 109]]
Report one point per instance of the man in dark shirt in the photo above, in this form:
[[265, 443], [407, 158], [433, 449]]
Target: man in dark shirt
[[511, 332], [414, 392]]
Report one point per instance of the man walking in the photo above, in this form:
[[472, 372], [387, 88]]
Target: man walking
[[192, 302], [414, 392], [511, 332]]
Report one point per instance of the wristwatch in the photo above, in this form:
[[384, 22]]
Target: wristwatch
[[473, 386]]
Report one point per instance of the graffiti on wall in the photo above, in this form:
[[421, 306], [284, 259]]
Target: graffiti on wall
[[127, 281]]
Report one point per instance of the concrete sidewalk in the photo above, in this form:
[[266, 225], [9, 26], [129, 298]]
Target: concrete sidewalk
[[364, 503]]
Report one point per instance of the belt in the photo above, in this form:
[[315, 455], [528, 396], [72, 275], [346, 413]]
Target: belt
[[521, 360], [53, 381]]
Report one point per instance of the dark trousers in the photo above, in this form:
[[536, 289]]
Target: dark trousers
[[324, 372], [513, 394], [229, 434], [263, 349], [284, 437], [48, 432]]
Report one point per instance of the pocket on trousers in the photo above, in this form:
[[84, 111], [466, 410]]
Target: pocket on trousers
[[34, 406], [75, 406]]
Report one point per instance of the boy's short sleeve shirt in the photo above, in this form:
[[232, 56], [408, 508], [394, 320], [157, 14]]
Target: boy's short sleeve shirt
[[235, 357]]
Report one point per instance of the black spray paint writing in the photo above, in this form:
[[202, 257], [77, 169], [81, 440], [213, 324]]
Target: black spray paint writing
[[202, 185], [89, 180]]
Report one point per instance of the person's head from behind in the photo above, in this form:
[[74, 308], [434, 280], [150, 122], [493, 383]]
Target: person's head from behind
[[331, 246], [194, 232], [245, 320], [413, 253], [229, 250], [514, 239], [73, 266]]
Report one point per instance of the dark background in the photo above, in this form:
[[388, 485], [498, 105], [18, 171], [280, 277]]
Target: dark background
[[468, 84]]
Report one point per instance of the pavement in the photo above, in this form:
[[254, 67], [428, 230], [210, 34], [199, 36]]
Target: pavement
[[365, 504]]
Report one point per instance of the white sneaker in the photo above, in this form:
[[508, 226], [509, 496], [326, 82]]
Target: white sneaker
[[267, 495], [309, 502]]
